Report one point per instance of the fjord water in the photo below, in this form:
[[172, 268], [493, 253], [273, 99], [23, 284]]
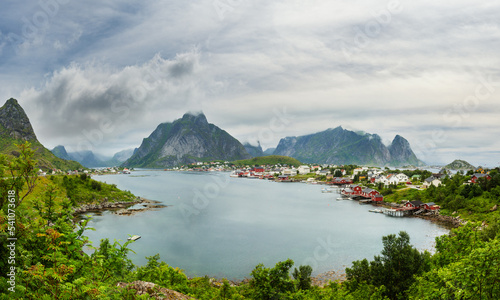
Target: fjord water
[[223, 227]]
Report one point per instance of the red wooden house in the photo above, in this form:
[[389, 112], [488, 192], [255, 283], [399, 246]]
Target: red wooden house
[[357, 190], [476, 176], [430, 206], [369, 193], [416, 204]]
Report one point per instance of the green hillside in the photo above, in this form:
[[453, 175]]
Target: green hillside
[[458, 164], [268, 160], [15, 128]]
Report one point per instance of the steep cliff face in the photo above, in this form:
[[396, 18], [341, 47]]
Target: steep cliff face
[[254, 151], [184, 141], [15, 128], [341, 146], [401, 152], [15, 123]]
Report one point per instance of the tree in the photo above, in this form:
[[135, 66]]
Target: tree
[[23, 176], [303, 277], [47, 210], [465, 267], [394, 269], [272, 283]]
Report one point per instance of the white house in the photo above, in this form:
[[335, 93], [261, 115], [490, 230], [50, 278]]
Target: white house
[[431, 181], [304, 169], [402, 177], [382, 179], [289, 172], [323, 172], [359, 170]]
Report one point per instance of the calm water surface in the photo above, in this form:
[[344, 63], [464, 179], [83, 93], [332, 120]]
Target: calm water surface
[[221, 226]]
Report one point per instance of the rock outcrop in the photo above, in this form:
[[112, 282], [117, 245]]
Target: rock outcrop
[[340, 146], [184, 141]]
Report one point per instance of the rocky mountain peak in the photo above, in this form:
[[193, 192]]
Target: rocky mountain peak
[[401, 151], [342, 146], [400, 144], [15, 122], [196, 118], [184, 141], [60, 151]]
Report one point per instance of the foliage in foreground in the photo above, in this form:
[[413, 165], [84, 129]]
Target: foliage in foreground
[[50, 263]]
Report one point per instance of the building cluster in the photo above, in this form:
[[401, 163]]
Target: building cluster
[[356, 191]]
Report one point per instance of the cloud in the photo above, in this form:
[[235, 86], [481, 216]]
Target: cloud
[[87, 105], [386, 67]]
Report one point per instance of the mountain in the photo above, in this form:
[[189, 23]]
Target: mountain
[[119, 157], [91, 160], [341, 146], [123, 155], [60, 152], [254, 151], [401, 153], [15, 128], [186, 140], [458, 164], [269, 151]]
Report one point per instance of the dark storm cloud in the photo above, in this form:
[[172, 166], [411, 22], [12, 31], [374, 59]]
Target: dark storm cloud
[[82, 101]]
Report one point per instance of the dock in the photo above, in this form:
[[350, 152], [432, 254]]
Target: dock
[[398, 212]]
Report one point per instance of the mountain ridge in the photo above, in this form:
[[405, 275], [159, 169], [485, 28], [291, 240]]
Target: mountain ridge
[[342, 146], [91, 160], [186, 140]]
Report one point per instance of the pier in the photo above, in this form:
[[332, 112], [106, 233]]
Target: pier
[[398, 212]]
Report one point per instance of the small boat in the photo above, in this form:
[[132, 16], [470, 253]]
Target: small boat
[[234, 175], [376, 210], [340, 199], [134, 238], [326, 190]]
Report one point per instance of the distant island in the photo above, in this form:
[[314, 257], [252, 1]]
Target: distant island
[[458, 164]]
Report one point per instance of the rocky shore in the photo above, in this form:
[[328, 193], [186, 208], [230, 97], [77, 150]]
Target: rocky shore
[[119, 207], [324, 279], [447, 221], [435, 217]]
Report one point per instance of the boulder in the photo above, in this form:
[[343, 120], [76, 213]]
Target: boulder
[[157, 292]]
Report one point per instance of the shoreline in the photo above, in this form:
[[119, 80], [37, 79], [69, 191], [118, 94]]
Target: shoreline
[[119, 207], [447, 221], [320, 280]]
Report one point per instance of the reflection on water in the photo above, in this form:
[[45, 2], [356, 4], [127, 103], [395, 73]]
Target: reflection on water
[[224, 226]]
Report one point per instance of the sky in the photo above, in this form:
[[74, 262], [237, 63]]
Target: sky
[[101, 75]]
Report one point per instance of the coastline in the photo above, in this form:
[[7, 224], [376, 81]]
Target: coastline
[[120, 207], [446, 221]]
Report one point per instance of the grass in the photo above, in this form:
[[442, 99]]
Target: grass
[[268, 160]]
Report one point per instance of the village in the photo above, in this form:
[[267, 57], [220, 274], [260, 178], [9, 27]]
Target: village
[[358, 184], [367, 185]]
